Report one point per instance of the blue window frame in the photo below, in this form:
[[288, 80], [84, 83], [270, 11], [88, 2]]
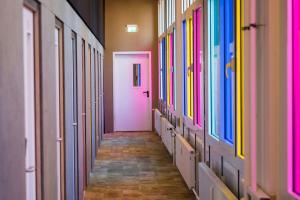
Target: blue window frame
[[221, 69], [228, 63], [184, 61]]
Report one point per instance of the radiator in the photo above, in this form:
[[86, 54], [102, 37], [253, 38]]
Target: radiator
[[211, 187], [166, 135], [157, 121], [185, 160]]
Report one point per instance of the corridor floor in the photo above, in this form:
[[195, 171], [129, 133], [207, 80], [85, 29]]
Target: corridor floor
[[135, 166]]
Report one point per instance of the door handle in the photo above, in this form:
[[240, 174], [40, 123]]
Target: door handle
[[59, 139], [146, 92], [30, 169]]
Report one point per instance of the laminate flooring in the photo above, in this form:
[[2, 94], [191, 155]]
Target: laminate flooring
[[135, 166]]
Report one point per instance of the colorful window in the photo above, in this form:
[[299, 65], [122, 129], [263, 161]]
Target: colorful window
[[162, 70], [174, 69], [228, 60], [160, 95], [171, 69], [184, 54], [221, 64], [294, 96], [198, 76], [214, 68], [192, 59], [169, 78], [188, 67], [240, 79]]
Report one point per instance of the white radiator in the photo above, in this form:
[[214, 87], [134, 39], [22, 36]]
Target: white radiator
[[185, 160], [166, 135], [157, 121], [211, 187]]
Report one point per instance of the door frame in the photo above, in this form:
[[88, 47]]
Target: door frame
[[84, 110], [75, 118], [101, 95], [35, 8], [118, 53], [97, 74], [93, 108], [60, 26]]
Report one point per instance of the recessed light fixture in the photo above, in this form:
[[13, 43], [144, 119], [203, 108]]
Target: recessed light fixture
[[131, 28]]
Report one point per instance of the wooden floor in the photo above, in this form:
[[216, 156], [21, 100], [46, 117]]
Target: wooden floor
[[135, 166]]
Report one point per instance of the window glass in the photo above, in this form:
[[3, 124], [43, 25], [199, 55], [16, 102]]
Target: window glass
[[164, 70], [188, 68], [161, 17], [174, 69], [228, 60], [160, 71], [198, 97], [136, 75], [214, 70], [184, 62], [185, 4], [171, 70], [221, 70]]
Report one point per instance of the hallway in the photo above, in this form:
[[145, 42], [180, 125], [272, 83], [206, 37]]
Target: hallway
[[150, 99], [135, 165]]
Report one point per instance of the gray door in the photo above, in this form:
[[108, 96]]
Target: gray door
[[75, 116]]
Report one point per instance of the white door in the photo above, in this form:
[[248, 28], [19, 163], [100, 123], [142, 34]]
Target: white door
[[132, 92], [57, 104], [28, 51]]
